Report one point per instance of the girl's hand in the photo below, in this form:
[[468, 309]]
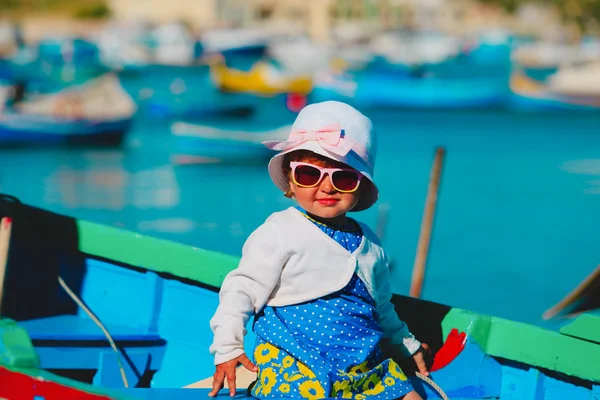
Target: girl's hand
[[421, 358], [227, 370]]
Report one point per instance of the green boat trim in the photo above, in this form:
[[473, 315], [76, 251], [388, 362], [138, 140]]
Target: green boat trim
[[559, 351], [158, 255], [585, 326], [528, 344]]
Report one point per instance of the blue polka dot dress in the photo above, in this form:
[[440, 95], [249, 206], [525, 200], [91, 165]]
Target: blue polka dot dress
[[327, 347]]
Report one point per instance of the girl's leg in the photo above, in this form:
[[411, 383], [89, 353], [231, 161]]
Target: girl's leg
[[412, 396]]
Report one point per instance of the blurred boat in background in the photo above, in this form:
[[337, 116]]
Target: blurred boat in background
[[375, 90], [415, 49], [562, 94], [582, 81], [124, 46], [299, 55], [97, 112], [234, 42], [164, 92], [263, 79], [204, 144]]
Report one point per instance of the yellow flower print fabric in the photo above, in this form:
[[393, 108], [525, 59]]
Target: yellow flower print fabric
[[282, 376]]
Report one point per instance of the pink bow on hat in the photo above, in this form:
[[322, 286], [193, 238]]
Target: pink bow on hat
[[330, 138]]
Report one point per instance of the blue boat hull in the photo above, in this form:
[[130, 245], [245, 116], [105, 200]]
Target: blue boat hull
[[373, 91], [220, 150], [23, 129], [531, 103]]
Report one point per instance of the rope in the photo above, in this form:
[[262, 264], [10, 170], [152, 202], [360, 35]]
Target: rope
[[433, 385], [97, 321]]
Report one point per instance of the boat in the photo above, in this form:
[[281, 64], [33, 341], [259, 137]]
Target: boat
[[127, 315], [528, 94], [205, 144], [582, 81], [263, 79], [374, 90], [96, 112], [234, 42]]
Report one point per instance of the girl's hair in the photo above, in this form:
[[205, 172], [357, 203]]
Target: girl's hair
[[299, 156]]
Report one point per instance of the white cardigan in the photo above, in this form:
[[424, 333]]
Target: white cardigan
[[288, 260]]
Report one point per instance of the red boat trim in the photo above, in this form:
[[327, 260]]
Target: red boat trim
[[17, 386], [454, 345]]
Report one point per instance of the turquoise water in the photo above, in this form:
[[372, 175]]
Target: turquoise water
[[517, 220]]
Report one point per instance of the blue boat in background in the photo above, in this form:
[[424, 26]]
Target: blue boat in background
[[75, 51], [98, 112], [52, 54], [372, 90], [203, 144], [170, 91]]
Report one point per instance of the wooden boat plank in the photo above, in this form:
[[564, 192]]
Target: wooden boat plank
[[243, 379], [74, 327]]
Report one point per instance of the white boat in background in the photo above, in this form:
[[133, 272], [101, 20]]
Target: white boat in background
[[300, 55], [96, 99], [553, 55], [173, 44], [580, 81], [124, 47], [416, 49], [238, 41], [530, 95], [96, 112], [135, 45]]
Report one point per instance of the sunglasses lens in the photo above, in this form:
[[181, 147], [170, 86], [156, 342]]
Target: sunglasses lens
[[345, 180], [306, 175]]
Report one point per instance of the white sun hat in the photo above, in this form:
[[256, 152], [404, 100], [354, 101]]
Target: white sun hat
[[334, 130]]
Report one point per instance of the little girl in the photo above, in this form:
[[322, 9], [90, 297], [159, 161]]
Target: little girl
[[316, 281]]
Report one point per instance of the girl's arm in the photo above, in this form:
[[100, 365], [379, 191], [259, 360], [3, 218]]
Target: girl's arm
[[393, 327], [246, 290]]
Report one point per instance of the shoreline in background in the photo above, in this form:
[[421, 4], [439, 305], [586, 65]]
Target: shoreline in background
[[319, 19]]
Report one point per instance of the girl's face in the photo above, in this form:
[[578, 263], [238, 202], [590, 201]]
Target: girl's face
[[324, 200]]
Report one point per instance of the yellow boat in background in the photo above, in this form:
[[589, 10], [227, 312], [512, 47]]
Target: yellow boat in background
[[262, 79]]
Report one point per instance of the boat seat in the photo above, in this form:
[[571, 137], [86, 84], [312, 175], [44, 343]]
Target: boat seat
[[243, 379], [75, 342]]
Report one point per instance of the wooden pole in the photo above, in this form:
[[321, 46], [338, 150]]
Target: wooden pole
[[418, 274], [5, 230], [585, 297]]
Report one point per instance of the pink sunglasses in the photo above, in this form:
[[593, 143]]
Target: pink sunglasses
[[344, 180]]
